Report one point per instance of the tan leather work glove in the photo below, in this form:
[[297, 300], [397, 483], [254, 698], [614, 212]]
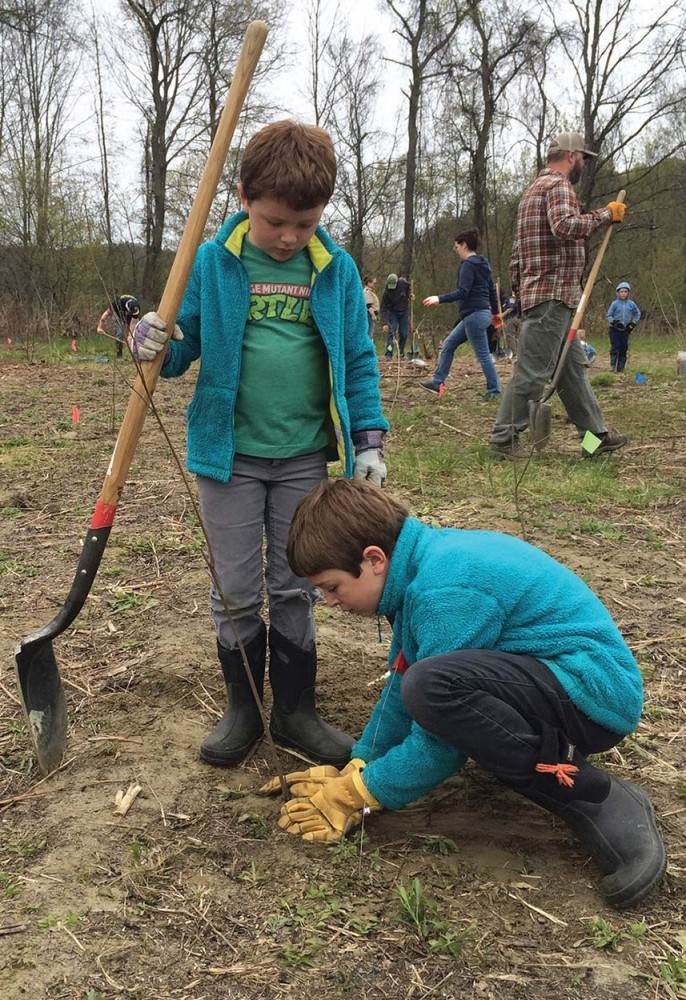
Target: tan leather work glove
[[617, 208], [303, 784], [332, 812]]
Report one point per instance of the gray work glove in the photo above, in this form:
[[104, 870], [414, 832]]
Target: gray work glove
[[369, 463], [150, 337]]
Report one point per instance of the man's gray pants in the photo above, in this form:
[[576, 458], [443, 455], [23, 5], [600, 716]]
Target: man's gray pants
[[542, 335], [260, 498]]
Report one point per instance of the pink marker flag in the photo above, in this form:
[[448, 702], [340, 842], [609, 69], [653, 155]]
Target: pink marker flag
[[73, 344]]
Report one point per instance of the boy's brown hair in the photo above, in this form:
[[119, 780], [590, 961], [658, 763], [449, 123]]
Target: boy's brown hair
[[336, 521], [291, 162]]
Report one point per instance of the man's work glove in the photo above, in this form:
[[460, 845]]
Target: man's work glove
[[431, 300], [304, 784], [150, 337], [617, 325], [369, 463], [630, 327], [617, 208], [332, 812]]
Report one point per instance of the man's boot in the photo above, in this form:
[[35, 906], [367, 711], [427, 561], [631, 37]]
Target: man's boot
[[614, 821], [295, 721], [240, 727]]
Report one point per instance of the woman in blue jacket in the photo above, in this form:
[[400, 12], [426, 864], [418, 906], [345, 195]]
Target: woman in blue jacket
[[478, 304]]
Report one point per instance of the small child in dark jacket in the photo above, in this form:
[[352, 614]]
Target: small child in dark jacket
[[623, 315], [499, 653]]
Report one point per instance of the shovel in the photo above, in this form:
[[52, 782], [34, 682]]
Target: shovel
[[38, 675], [540, 412]]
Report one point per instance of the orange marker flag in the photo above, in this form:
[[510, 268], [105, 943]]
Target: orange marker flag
[[73, 344], [75, 415]]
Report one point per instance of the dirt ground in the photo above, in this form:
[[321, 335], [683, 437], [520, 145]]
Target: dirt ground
[[195, 893]]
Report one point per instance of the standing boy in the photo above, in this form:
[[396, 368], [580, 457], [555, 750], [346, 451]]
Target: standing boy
[[288, 380], [623, 315], [499, 653]]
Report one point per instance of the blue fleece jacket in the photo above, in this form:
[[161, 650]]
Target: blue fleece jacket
[[475, 288], [450, 589], [623, 311], [213, 315]]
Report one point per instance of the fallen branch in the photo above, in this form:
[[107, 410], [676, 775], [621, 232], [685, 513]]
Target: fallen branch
[[124, 801]]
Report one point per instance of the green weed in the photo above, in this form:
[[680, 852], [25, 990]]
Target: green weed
[[673, 971], [603, 936], [302, 956], [437, 844]]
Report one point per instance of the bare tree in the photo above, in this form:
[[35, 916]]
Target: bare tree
[[426, 27], [493, 51], [624, 64], [39, 92]]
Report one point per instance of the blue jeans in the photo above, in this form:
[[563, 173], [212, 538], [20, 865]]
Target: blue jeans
[[473, 329], [398, 321], [371, 324], [259, 499]]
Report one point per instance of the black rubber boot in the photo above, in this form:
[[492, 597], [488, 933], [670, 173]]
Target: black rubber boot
[[240, 727], [295, 721], [615, 823]]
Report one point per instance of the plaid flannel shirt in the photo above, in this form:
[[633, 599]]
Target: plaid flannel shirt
[[549, 250]]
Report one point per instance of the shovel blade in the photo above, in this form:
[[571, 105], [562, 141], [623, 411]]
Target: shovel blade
[[540, 423], [43, 700]]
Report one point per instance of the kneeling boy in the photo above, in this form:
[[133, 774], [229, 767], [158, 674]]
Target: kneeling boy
[[499, 653]]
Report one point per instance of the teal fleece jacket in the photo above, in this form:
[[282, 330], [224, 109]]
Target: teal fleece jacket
[[213, 315], [450, 589]]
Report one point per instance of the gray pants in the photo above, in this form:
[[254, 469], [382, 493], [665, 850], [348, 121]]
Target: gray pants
[[260, 497], [543, 331]]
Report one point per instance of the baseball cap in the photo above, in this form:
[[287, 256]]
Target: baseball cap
[[570, 142], [623, 284], [392, 280]]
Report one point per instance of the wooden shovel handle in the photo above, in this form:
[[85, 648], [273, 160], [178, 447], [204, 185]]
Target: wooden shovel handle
[[173, 293], [592, 277]]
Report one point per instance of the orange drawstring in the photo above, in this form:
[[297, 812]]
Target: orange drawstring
[[563, 772]]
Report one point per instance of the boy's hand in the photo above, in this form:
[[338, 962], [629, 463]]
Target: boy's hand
[[150, 337], [304, 784], [370, 465], [496, 321], [332, 812]]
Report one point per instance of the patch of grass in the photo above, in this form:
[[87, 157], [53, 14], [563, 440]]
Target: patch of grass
[[128, 600], [9, 888]]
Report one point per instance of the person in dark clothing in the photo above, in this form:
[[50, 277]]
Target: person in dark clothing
[[395, 313], [477, 301], [125, 310]]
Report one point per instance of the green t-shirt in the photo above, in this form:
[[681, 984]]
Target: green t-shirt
[[284, 389]]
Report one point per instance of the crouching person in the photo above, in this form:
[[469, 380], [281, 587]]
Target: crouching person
[[499, 653]]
